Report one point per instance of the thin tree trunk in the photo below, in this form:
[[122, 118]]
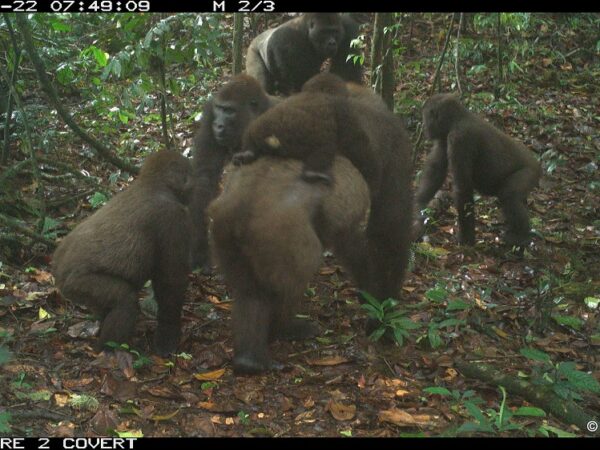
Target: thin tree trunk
[[500, 79], [48, 88], [382, 62], [13, 79], [436, 78], [238, 34], [456, 47]]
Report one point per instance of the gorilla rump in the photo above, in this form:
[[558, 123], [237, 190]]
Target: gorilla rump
[[267, 235]]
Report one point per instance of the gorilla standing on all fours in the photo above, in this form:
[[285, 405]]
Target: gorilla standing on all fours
[[224, 119], [480, 157], [142, 233], [283, 58]]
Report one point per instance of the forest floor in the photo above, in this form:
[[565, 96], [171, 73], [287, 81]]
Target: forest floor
[[534, 317]]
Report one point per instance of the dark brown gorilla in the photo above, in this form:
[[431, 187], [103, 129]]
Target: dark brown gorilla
[[225, 118], [314, 126], [481, 158], [142, 233], [283, 58], [267, 235]]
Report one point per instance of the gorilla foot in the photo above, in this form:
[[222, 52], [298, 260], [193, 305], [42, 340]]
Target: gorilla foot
[[251, 365]]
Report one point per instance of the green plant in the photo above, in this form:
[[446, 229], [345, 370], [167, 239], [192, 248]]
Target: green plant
[[492, 421], [563, 378], [5, 418], [388, 318], [244, 418]]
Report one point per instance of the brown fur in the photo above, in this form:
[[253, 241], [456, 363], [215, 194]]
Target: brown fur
[[142, 233], [267, 234], [225, 118], [283, 58], [481, 158], [313, 126]]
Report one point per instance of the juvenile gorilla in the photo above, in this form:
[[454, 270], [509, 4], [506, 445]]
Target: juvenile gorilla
[[480, 157], [267, 234], [224, 119], [314, 126], [142, 233], [283, 58]]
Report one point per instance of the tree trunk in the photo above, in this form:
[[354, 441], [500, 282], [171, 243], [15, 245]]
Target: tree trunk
[[382, 60], [238, 34]]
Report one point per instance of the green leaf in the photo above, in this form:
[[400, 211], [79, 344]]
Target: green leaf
[[59, 26], [370, 299], [450, 323], [570, 321], [5, 355], [399, 335], [100, 56], [534, 354], [435, 340], [438, 391], [436, 295], [98, 199], [457, 305], [405, 323], [372, 311], [592, 302], [377, 334], [529, 411], [476, 412], [389, 303], [557, 431], [5, 422], [583, 381]]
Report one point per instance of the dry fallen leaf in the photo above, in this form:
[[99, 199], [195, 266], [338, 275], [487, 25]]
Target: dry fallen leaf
[[209, 376], [329, 361], [403, 419], [165, 416], [61, 399], [339, 411]]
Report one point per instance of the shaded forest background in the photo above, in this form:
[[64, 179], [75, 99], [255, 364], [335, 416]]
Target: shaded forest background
[[488, 343]]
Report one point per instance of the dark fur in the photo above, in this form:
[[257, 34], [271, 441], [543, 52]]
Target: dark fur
[[267, 234], [480, 158], [314, 126], [263, 230], [282, 59], [140, 234], [225, 118]]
